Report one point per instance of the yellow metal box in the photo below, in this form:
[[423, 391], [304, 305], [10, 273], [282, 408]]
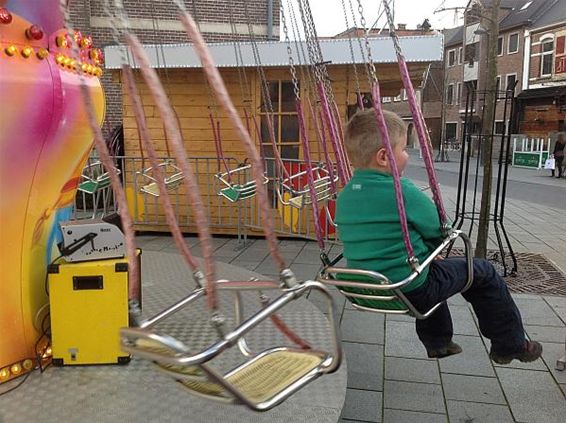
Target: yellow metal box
[[89, 305]]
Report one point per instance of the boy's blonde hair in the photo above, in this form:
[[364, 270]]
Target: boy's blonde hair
[[363, 139]]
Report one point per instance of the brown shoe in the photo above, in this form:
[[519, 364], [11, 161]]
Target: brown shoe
[[532, 351], [451, 349]]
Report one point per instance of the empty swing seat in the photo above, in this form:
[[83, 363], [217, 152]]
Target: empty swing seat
[[236, 191], [262, 381], [299, 198], [254, 379], [323, 191], [173, 178]]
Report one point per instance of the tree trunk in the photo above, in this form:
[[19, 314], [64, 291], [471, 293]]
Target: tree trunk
[[491, 23]]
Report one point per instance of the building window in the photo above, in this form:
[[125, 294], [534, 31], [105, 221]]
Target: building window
[[499, 127], [471, 53], [386, 99], [450, 131], [285, 126], [451, 58], [405, 95], [498, 84], [500, 46], [450, 94], [511, 80], [547, 47], [513, 45], [460, 55], [458, 93]]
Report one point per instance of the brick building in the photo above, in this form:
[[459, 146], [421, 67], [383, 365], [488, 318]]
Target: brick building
[[465, 58], [542, 105], [156, 22]]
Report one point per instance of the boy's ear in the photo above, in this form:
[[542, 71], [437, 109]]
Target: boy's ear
[[381, 158]]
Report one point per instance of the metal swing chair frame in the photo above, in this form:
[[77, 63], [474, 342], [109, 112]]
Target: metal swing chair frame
[[264, 379], [235, 192], [300, 198], [372, 291], [94, 180], [173, 178]]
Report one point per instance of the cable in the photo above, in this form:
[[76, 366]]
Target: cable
[[13, 388], [46, 285]]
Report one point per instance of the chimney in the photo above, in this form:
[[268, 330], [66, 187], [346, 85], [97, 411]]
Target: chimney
[[401, 27]]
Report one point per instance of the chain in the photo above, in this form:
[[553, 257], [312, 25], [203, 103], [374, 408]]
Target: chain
[[351, 45], [392, 32], [323, 70], [290, 53], [257, 59], [301, 50], [371, 65]]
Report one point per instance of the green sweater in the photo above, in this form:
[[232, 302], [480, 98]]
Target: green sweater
[[370, 229]]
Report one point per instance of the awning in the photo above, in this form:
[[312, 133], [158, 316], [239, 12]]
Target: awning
[[546, 92], [416, 49]]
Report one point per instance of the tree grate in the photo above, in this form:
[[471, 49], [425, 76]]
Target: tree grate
[[535, 274]]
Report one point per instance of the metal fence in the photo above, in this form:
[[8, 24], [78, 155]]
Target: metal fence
[[240, 217]]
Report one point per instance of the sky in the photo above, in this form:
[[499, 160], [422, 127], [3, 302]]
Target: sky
[[329, 14]]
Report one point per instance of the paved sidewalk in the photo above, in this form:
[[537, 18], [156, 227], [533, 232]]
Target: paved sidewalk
[[533, 226], [391, 380]]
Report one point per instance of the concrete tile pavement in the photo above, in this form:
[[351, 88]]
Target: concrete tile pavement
[[390, 379]]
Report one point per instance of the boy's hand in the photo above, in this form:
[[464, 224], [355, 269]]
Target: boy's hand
[[439, 257]]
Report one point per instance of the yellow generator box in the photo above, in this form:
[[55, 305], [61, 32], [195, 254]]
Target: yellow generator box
[[89, 305]]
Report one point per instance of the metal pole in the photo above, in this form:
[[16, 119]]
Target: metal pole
[[269, 19]]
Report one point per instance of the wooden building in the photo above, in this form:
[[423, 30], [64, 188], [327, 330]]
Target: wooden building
[[196, 109]]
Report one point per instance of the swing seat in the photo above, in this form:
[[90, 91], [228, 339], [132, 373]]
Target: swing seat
[[262, 381], [94, 178], [173, 179], [371, 291], [300, 198], [234, 192], [323, 191]]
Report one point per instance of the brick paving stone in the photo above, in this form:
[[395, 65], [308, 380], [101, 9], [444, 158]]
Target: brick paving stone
[[472, 388], [413, 396], [550, 334], [363, 327], [471, 412], [537, 312], [401, 341], [362, 405], [551, 353], [365, 366], [403, 416], [473, 360], [533, 396], [411, 370]]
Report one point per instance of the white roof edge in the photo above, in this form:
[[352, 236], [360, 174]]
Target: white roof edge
[[421, 48]]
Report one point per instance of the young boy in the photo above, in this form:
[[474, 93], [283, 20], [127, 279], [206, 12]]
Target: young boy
[[369, 227]]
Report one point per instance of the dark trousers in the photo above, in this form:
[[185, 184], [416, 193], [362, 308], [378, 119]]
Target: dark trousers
[[558, 161], [498, 316]]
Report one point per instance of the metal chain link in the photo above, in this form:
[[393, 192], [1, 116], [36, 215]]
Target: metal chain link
[[392, 31], [290, 53], [371, 65], [351, 45]]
